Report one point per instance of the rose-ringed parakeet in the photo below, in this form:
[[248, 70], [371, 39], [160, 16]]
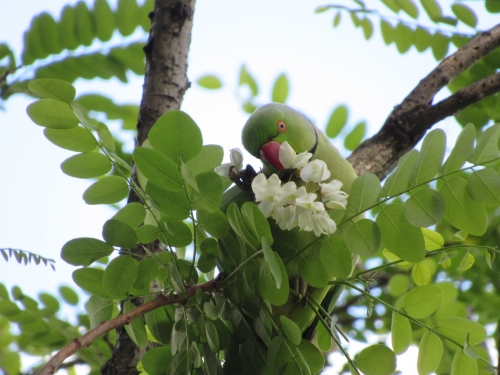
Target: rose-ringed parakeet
[[265, 131]]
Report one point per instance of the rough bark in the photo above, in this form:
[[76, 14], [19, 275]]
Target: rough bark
[[165, 83], [409, 121]]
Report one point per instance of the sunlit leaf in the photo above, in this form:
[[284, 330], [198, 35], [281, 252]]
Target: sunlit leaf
[[377, 360], [424, 208], [422, 301], [400, 333], [430, 351], [109, 189]]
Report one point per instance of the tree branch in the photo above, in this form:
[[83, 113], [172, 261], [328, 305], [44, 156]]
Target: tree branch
[[87, 339], [409, 121]]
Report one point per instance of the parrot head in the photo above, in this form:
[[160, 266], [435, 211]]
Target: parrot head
[[273, 124]]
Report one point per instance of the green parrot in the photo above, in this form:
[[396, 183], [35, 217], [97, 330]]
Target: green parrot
[[262, 135]]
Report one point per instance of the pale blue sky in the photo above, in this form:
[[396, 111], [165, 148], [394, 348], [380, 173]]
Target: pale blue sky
[[41, 208]]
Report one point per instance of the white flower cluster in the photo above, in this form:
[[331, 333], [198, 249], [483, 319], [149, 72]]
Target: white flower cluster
[[288, 204]]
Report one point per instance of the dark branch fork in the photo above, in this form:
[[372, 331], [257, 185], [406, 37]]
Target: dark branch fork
[[409, 121], [164, 86]]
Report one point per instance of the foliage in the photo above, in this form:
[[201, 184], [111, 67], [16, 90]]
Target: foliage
[[182, 204]]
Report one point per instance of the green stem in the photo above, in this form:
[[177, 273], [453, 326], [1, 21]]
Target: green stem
[[243, 264]]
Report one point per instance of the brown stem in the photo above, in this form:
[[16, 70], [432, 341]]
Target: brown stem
[[87, 339], [409, 121]]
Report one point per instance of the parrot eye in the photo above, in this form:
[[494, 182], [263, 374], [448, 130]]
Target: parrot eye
[[281, 126]]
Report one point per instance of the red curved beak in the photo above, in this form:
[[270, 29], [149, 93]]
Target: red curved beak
[[270, 153]]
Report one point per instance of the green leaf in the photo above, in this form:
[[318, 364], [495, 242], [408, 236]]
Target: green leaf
[[398, 285], [312, 270], [53, 89], [146, 234], [120, 275], [214, 223], [458, 328], [136, 330], [367, 27], [247, 79], [424, 208], [147, 270], [433, 9], [105, 136], [84, 251], [83, 22], [278, 356], [461, 211], [160, 323], [421, 273], [392, 5], [363, 238], [291, 330], [156, 360], [403, 37], [90, 280], [52, 114], [176, 279], [465, 14], [127, 16], [469, 349], [387, 31], [173, 205], [337, 121], [210, 82], [236, 222], [422, 301], [74, 139], [337, 19], [463, 364], [104, 20], [433, 240], [272, 263], [99, 310], [487, 146], [439, 45], [462, 150], [408, 7], [354, 138], [280, 89], [206, 263], [400, 333], [50, 41], [230, 250], [399, 236], [158, 169], [86, 165], [209, 197], [336, 257], [209, 246], [430, 157], [256, 222], [267, 285], [466, 262], [119, 234], [377, 360], [132, 214], [176, 136], [423, 39], [176, 233], [430, 352], [483, 187], [212, 337], [69, 295], [312, 355], [209, 157], [365, 191], [324, 337], [109, 189], [398, 181]]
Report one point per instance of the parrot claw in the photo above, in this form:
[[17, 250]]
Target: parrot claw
[[243, 179]]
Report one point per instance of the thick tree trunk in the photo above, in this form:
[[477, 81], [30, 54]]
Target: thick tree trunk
[[165, 83]]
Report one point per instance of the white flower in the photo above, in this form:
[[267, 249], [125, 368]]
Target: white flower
[[315, 171], [286, 194], [236, 157], [286, 217], [318, 222], [331, 193], [289, 158], [265, 190]]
